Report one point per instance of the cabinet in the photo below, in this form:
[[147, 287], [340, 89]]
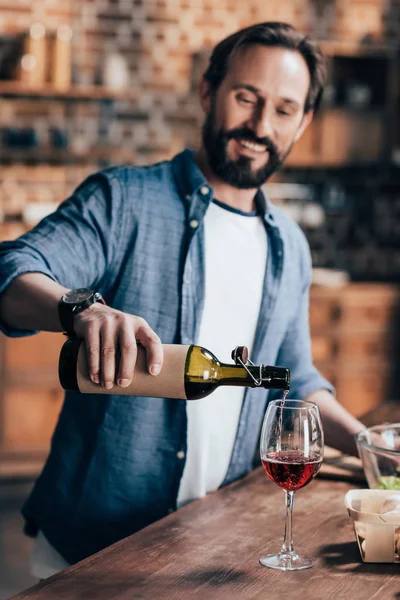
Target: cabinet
[[354, 332], [30, 401], [357, 123]]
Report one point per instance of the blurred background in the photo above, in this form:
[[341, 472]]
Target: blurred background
[[86, 84]]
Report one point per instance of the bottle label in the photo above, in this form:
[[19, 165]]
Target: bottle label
[[169, 383]]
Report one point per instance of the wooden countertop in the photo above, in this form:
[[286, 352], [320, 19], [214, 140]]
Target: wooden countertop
[[210, 550]]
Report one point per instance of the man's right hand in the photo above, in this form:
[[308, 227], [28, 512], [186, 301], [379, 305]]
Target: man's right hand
[[30, 302], [106, 330]]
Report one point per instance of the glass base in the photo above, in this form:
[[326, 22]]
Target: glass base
[[286, 561]]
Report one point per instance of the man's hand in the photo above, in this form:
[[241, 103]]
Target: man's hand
[[30, 302], [339, 425], [106, 330]]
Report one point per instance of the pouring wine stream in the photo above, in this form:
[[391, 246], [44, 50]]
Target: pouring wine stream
[[285, 393]]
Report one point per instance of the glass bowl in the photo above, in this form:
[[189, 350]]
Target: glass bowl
[[379, 450]]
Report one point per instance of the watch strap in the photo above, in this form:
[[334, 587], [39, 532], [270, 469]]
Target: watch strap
[[67, 312]]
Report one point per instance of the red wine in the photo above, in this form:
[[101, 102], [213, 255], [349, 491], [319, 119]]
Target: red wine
[[291, 470]]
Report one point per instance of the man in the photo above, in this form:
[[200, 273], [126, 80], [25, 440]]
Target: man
[[188, 251]]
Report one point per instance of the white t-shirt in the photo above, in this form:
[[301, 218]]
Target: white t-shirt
[[45, 561], [235, 259]]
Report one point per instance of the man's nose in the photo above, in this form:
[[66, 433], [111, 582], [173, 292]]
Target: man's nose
[[262, 122]]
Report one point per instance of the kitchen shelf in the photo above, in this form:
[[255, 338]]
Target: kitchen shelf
[[47, 155], [344, 48], [16, 89]]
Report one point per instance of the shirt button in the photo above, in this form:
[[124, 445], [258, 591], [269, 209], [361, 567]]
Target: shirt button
[[194, 223], [188, 197], [204, 190], [180, 454]]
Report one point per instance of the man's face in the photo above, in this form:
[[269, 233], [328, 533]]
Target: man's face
[[256, 114]]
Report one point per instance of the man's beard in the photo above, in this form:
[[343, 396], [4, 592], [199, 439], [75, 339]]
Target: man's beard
[[238, 173]]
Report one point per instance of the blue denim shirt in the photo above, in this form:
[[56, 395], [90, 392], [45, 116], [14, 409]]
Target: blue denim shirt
[[136, 235]]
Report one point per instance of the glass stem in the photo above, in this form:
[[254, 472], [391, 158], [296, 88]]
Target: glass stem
[[288, 537]]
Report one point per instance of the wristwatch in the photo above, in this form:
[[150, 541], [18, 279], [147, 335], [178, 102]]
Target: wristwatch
[[74, 302]]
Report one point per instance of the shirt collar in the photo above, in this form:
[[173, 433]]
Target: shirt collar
[[189, 178], [192, 183], [265, 208]]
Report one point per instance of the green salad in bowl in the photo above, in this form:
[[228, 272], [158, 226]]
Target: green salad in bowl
[[390, 482]]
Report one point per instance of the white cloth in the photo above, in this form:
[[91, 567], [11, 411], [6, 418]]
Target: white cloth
[[235, 258], [45, 561]]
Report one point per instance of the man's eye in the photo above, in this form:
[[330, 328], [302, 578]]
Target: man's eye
[[244, 100], [280, 111]]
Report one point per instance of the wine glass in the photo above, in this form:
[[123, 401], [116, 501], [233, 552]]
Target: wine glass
[[291, 449]]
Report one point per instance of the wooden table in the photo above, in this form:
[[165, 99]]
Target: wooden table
[[210, 549]]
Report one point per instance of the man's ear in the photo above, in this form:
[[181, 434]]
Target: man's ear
[[307, 118], [205, 95]]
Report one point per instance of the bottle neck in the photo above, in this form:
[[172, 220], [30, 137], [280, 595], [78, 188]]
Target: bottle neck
[[236, 375]]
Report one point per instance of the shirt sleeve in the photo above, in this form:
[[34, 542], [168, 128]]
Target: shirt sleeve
[[295, 352], [74, 245]]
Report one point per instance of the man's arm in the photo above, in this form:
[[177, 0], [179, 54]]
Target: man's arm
[[30, 303], [339, 425], [74, 248]]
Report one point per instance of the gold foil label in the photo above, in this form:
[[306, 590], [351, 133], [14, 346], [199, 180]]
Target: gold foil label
[[169, 383]]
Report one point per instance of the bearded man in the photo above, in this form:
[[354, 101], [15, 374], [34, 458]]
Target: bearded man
[[185, 251]]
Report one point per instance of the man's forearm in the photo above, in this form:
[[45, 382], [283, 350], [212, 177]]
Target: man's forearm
[[339, 425], [30, 302]]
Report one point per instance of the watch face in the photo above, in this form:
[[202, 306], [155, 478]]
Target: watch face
[[78, 296]]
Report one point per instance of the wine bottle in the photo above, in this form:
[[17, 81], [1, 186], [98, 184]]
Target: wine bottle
[[189, 372]]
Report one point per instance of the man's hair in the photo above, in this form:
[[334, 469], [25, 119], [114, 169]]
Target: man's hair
[[275, 34]]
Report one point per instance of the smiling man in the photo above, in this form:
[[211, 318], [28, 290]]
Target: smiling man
[[254, 116], [259, 109], [185, 251]]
